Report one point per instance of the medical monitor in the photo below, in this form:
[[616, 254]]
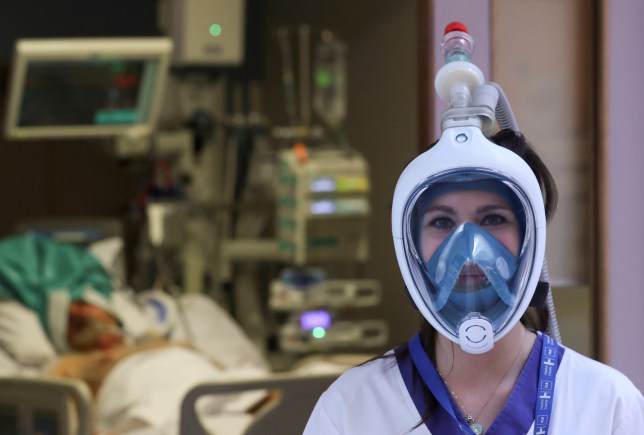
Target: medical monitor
[[81, 88]]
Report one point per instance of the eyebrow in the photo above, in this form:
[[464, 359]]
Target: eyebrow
[[493, 207], [443, 208], [480, 210]]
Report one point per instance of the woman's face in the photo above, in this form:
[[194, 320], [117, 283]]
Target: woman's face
[[486, 209]]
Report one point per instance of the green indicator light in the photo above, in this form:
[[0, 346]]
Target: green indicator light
[[215, 30], [323, 79], [318, 332]]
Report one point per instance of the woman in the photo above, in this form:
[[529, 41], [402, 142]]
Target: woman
[[469, 230]]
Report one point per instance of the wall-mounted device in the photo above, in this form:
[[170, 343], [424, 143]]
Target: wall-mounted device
[[76, 88], [205, 32]]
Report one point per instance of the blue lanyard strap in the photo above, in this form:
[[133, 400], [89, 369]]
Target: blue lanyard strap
[[431, 377], [547, 373]]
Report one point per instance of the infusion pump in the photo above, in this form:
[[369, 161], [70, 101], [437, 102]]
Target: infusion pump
[[323, 205], [315, 307]]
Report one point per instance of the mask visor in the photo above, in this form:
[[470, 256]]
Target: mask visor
[[472, 244]]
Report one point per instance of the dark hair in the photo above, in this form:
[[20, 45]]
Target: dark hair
[[516, 142], [533, 318]]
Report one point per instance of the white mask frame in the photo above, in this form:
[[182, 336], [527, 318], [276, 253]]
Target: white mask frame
[[466, 147]]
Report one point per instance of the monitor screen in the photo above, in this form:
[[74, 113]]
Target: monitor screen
[[86, 88]]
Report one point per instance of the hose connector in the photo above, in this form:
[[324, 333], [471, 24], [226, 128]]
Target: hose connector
[[457, 80]]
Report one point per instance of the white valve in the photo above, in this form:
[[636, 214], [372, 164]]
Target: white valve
[[458, 80], [476, 335]]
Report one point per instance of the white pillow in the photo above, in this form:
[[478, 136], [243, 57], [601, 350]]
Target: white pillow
[[212, 331], [111, 254], [22, 336], [8, 366]]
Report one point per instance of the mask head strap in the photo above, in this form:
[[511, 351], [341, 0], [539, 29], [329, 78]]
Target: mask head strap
[[540, 295]]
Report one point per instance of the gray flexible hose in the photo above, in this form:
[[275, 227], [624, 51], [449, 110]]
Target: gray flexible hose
[[503, 112], [553, 324]]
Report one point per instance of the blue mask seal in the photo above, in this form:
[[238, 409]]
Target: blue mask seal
[[470, 272]]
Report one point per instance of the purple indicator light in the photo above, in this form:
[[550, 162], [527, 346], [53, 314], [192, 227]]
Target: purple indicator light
[[314, 319]]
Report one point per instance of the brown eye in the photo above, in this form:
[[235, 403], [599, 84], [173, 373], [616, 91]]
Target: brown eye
[[441, 223], [493, 220]]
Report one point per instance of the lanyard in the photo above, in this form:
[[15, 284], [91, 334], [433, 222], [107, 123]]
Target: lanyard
[[550, 356], [431, 378], [547, 375]]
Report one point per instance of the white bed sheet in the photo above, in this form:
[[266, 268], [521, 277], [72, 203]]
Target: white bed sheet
[[143, 393]]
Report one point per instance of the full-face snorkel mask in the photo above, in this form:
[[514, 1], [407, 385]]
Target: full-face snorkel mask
[[471, 288]]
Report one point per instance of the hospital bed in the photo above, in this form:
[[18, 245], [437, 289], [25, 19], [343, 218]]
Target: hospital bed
[[159, 387], [63, 407], [31, 404]]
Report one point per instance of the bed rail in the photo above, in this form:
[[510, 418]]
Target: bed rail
[[30, 406], [286, 415]]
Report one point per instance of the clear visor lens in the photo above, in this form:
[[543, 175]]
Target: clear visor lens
[[471, 245]]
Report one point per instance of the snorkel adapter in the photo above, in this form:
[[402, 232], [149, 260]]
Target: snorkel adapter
[[457, 81], [462, 85], [463, 157]]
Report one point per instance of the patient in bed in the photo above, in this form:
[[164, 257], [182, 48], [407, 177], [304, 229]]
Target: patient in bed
[[139, 380], [97, 344], [60, 316], [139, 385]]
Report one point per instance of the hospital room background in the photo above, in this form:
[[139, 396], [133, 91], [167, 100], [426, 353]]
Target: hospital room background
[[205, 201]]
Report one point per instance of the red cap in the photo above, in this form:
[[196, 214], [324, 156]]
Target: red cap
[[455, 26]]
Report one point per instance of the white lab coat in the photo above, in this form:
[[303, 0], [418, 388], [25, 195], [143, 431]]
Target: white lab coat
[[373, 399]]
